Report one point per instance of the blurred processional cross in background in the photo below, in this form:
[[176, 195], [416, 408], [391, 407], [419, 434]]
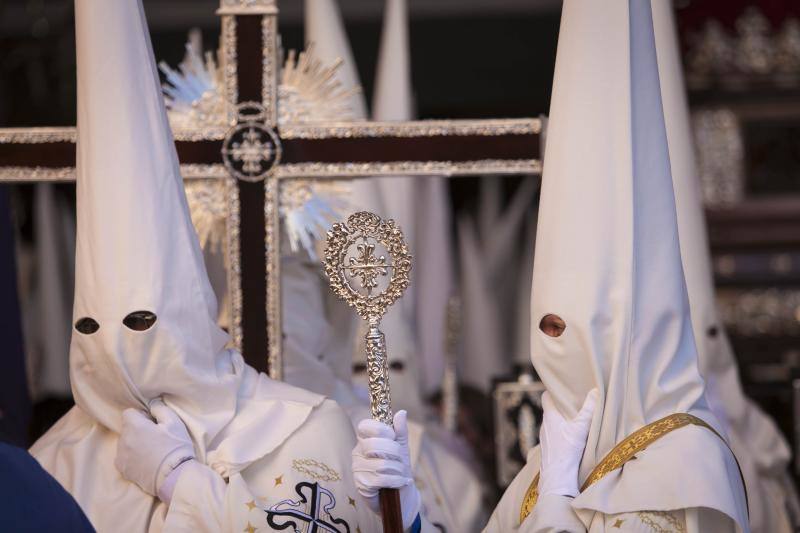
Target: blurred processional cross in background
[[251, 141]]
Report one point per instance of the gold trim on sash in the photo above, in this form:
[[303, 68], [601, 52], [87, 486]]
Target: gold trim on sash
[[530, 499], [622, 453]]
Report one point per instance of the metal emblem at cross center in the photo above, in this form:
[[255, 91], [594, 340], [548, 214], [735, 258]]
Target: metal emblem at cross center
[[251, 150]]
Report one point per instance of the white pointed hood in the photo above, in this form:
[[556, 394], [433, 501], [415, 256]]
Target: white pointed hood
[[136, 247], [716, 358], [393, 101], [138, 252], [393, 98], [755, 439], [325, 29], [691, 224], [608, 263], [419, 205], [400, 198]]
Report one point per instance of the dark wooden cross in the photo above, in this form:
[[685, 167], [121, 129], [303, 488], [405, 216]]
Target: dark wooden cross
[[252, 154]]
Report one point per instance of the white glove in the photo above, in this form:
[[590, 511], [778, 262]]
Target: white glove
[[381, 460], [147, 452], [562, 443]]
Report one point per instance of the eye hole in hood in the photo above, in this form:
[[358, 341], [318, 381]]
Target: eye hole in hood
[[87, 325], [140, 320], [712, 331], [552, 325]]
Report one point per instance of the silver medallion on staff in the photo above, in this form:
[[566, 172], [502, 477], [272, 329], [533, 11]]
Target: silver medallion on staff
[[368, 265]]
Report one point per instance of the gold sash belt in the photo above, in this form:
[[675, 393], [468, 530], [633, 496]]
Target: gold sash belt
[[624, 452]]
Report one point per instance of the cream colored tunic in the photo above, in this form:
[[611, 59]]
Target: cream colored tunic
[[301, 482], [311, 462]]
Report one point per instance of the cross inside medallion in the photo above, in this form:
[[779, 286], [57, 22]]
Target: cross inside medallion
[[367, 266], [251, 149]]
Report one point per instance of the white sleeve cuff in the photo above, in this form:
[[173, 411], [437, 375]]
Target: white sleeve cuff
[[168, 486]]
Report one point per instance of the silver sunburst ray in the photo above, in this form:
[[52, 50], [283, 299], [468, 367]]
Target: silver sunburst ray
[[308, 92]]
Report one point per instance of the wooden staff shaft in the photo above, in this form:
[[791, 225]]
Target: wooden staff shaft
[[391, 514]]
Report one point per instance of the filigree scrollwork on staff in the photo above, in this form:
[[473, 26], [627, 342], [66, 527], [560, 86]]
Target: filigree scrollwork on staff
[[368, 265], [364, 233], [378, 374]]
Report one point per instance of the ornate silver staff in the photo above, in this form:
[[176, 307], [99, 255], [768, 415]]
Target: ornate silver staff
[[368, 265]]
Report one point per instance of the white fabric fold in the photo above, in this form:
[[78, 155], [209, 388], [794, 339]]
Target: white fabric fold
[[608, 263]]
